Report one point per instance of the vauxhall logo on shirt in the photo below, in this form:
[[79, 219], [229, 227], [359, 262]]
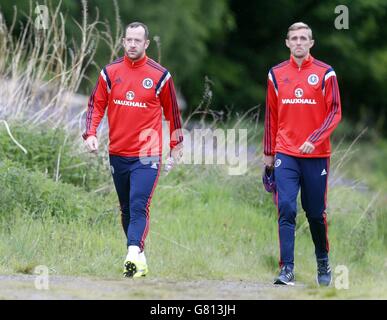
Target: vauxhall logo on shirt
[[130, 95], [298, 93]]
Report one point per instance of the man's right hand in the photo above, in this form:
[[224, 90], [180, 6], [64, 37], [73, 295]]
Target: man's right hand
[[92, 144], [268, 160], [177, 152]]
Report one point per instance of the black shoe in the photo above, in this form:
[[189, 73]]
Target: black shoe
[[324, 274], [286, 276]]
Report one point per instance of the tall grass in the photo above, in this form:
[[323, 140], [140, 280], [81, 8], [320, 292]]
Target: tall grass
[[204, 225], [41, 70]]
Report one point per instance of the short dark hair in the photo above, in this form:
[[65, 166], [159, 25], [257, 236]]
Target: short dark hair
[[138, 24]]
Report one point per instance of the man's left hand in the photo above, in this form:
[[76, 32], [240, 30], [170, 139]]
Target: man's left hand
[[307, 148]]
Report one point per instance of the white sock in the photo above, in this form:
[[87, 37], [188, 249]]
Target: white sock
[[133, 253], [141, 257]]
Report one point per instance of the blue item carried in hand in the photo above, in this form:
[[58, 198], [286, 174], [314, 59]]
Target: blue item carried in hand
[[268, 179]]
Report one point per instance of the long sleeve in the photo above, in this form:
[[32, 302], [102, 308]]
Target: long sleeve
[[97, 105], [171, 109], [271, 116], [333, 117]]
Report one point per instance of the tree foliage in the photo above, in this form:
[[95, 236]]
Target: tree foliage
[[234, 43]]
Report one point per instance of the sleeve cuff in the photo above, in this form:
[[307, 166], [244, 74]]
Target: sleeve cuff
[[86, 135]]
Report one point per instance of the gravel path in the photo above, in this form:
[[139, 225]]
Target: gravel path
[[67, 287]]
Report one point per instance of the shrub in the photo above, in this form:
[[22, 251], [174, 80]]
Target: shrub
[[54, 153]]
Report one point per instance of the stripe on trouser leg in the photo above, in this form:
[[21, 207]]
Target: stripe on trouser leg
[[279, 238], [144, 235], [326, 231], [325, 200]]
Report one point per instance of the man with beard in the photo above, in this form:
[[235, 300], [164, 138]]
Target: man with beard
[[135, 90]]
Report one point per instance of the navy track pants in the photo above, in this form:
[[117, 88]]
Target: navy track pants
[[135, 180], [311, 175]]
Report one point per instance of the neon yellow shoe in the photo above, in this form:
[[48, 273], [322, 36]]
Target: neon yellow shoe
[[135, 269]]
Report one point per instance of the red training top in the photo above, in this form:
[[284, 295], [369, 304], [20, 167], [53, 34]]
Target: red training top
[[302, 104], [134, 93]]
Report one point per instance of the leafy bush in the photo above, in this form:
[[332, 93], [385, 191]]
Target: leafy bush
[[54, 153], [31, 193]]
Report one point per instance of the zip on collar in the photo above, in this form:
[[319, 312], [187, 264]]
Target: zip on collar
[[305, 63], [135, 64]]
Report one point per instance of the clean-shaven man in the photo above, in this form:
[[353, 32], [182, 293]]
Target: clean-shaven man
[[302, 110]]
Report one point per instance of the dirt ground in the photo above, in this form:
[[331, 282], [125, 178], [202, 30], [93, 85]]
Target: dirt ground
[[67, 287]]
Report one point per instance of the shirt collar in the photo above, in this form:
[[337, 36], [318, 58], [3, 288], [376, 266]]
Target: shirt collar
[[135, 64], [305, 63]]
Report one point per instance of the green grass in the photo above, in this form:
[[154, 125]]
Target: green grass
[[204, 225]]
